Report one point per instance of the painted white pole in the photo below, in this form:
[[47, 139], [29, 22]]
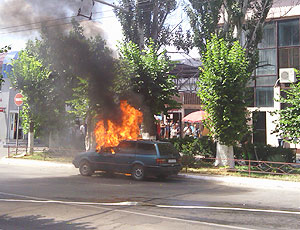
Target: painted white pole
[[17, 137]]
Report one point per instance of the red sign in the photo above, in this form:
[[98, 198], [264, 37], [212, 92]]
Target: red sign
[[2, 109], [18, 99]]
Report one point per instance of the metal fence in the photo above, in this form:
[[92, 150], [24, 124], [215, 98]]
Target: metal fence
[[23, 149], [262, 167], [13, 151]]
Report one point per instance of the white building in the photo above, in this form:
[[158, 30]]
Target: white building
[[8, 109], [280, 48]]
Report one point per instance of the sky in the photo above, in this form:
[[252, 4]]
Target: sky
[[20, 18]]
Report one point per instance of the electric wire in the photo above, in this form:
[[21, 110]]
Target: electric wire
[[53, 25], [50, 20]]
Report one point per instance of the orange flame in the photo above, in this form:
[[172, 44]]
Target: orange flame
[[113, 133]]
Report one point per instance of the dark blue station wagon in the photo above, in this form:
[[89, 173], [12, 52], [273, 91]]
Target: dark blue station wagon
[[140, 158]]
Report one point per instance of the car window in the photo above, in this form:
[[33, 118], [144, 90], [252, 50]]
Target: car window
[[146, 149], [108, 150], [126, 147], [167, 149]]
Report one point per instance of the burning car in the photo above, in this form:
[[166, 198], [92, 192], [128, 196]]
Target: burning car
[[140, 158]]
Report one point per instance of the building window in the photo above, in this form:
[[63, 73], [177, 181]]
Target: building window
[[264, 96], [288, 32], [267, 62], [269, 36], [289, 57], [266, 81], [266, 73]]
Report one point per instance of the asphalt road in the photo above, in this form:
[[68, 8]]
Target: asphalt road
[[50, 197]]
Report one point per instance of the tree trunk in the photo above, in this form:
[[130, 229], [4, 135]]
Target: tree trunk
[[224, 156], [31, 137], [52, 141], [89, 138]]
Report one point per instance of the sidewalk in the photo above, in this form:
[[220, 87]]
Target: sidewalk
[[3, 151], [227, 180], [246, 181]]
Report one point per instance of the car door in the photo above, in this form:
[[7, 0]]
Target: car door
[[125, 156], [99, 161], [146, 153]]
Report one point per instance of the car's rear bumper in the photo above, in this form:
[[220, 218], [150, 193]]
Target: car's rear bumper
[[163, 170]]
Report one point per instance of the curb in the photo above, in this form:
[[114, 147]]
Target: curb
[[246, 181]]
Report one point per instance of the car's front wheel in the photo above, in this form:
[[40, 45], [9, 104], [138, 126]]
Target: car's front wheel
[[138, 172], [85, 168]]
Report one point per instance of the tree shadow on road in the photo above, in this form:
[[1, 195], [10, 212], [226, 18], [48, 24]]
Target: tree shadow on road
[[38, 222]]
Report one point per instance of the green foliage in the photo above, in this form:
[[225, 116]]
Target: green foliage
[[148, 74], [222, 86], [288, 124], [3, 50], [263, 152], [145, 21], [204, 18], [205, 15], [191, 147], [203, 146], [80, 101], [33, 80]]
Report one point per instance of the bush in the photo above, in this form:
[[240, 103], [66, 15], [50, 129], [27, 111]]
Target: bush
[[263, 152], [190, 147]]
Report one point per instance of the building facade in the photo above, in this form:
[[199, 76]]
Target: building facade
[[279, 49], [8, 109]]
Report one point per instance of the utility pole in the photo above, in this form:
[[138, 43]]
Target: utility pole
[[112, 5]]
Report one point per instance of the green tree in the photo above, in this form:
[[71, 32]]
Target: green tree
[[231, 21], [222, 85], [82, 70], [145, 20], [33, 80], [146, 30], [148, 75], [288, 122]]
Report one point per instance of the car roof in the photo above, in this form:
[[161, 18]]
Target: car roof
[[145, 141]]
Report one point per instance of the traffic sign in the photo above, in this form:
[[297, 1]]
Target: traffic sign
[[18, 99]]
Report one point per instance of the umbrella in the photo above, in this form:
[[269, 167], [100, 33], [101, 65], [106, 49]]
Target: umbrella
[[197, 116]]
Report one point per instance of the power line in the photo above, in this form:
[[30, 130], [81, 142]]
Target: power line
[[66, 23], [50, 20]]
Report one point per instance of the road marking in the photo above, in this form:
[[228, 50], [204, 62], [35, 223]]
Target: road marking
[[230, 208], [126, 203], [130, 212], [96, 205], [129, 203]]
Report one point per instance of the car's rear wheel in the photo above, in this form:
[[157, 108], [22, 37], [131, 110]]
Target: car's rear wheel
[[138, 172], [85, 168]]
